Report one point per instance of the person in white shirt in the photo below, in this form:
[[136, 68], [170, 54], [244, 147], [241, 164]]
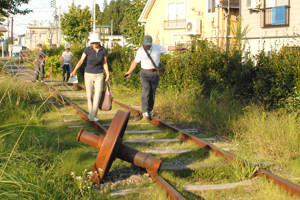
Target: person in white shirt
[[148, 75], [66, 58]]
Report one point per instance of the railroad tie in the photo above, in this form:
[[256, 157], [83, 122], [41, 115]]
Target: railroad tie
[[216, 186]]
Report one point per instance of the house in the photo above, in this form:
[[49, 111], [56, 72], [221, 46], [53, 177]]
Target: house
[[46, 35], [171, 22], [271, 24]]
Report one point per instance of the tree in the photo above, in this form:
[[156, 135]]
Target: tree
[[76, 24], [133, 30]]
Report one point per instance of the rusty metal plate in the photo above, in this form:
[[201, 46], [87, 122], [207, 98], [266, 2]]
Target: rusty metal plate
[[109, 149]]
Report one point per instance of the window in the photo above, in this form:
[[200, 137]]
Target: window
[[276, 13], [175, 15], [211, 6]]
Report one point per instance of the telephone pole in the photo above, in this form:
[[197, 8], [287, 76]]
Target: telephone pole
[[94, 17], [7, 40], [56, 24], [12, 36]]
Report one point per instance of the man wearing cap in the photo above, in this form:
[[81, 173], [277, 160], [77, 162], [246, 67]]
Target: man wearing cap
[[148, 75], [66, 58], [93, 74], [40, 63]]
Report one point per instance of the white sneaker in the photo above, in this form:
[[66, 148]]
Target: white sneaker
[[146, 115], [42, 81], [36, 80], [94, 119]]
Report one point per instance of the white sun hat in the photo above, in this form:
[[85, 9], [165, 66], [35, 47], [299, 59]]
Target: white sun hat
[[94, 38]]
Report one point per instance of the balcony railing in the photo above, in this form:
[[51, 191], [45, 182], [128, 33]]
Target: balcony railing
[[275, 16], [173, 24]]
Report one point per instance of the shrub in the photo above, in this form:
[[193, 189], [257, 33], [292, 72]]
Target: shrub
[[53, 65]]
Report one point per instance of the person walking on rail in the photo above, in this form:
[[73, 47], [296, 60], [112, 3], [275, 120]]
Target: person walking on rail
[[148, 75], [66, 59], [40, 63], [93, 75]]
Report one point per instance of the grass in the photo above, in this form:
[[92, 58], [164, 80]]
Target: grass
[[41, 163]]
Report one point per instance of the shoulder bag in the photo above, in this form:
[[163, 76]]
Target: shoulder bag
[[160, 69], [106, 98]]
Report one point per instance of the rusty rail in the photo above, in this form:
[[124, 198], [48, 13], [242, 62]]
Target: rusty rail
[[171, 192]]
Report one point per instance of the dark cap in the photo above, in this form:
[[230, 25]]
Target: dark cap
[[39, 45], [147, 40]]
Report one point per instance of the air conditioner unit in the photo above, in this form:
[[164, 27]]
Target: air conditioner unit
[[192, 26], [253, 4]]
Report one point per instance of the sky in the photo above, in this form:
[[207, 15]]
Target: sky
[[43, 13]]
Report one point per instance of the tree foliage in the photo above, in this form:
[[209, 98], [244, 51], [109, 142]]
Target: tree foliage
[[11, 6], [112, 13], [133, 30], [76, 24]]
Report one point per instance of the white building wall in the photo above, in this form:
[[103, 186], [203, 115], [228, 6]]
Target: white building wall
[[259, 38]]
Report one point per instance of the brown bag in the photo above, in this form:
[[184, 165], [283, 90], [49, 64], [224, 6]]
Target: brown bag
[[160, 70], [106, 99]]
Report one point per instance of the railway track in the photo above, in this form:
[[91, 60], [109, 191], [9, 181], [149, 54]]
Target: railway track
[[165, 141]]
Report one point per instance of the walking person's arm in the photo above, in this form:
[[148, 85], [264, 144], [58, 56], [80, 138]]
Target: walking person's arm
[[83, 56], [131, 69], [174, 48], [105, 66]]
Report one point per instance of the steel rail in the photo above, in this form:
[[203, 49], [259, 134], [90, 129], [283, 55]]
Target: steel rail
[[286, 185], [171, 192]]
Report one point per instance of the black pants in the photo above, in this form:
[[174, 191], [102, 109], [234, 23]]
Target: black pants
[[66, 68], [149, 82]]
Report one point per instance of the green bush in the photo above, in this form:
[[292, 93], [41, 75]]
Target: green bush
[[277, 81], [205, 69], [54, 63]]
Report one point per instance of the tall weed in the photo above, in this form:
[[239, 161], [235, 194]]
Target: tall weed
[[273, 135]]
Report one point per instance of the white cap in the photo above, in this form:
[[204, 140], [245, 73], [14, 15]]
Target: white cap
[[94, 38]]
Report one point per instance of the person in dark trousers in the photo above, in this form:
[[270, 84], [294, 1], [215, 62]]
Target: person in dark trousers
[[148, 75], [66, 58], [40, 63], [93, 75]]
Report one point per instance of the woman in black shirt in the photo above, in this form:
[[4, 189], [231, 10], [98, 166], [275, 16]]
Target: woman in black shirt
[[93, 74]]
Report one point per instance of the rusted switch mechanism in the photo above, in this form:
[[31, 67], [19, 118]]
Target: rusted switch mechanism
[[111, 147]]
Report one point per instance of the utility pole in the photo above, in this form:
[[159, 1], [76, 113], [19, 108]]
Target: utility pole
[[12, 36], [94, 17], [7, 41], [111, 27], [59, 25], [56, 24]]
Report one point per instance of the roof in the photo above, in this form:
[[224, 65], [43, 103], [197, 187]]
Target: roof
[[146, 11], [232, 3], [39, 27]]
